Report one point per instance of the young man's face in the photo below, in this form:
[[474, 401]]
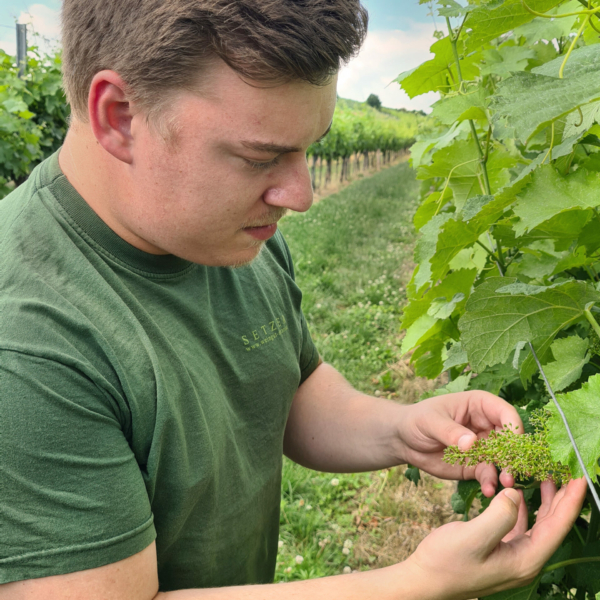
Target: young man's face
[[238, 164]]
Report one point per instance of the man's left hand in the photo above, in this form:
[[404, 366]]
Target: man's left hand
[[456, 420]]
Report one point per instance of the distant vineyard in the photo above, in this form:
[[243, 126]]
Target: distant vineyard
[[361, 137]]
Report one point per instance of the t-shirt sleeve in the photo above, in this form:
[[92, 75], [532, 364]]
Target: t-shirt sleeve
[[72, 495], [309, 357]]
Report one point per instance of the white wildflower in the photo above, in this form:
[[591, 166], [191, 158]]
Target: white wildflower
[[335, 481], [299, 560]]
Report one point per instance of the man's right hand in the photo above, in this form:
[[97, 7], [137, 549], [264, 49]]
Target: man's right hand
[[494, 551]]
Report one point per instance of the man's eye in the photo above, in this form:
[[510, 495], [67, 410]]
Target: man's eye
[[262, 166]]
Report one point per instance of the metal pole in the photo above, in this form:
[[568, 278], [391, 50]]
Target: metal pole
[[22, 49]]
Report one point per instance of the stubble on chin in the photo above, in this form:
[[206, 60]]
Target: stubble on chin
[[244, 263]]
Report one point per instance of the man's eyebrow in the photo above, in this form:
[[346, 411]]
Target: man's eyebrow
[[275, 148]]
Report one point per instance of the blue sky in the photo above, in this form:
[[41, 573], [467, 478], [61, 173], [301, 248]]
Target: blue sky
[[400, 34]]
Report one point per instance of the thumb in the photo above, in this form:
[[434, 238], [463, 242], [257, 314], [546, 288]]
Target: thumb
[[486, 531]]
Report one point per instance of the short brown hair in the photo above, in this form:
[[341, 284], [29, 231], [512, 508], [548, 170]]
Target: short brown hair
[[161, 47]]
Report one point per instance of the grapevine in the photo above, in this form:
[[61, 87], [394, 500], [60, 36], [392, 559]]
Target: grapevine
[[509, 223]]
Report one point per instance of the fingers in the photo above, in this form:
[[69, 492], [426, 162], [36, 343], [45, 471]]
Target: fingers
[[507, 480], [501, 413], [548, 491], [486, 531], [522, 520], [552, 527], [488, 478]]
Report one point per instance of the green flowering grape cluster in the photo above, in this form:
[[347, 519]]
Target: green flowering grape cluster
[[524, 456], [594, 344]]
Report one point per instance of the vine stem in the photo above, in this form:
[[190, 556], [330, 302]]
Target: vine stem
[[592, 11], [483, 157], [571, 561], [568, 54], [591, 320]]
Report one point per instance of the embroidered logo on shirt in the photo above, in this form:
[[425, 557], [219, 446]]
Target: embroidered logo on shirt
[[265, 334]]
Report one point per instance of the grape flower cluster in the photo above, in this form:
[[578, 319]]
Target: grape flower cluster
[[524, 456]]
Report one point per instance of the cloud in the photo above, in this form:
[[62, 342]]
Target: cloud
[[383, 57], [43, 30]]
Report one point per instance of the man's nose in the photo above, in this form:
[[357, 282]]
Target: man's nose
[[293, 189]]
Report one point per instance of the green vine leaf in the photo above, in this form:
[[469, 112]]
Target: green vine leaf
[[551, 193], [487, 23], [460, 162], [506, 60], [523, 593], [451, 109], [438, 73], [521, 101], [582, 410], [570, 356], [502, 312]]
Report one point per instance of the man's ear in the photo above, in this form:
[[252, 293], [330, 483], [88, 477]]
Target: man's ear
[[110, 114]]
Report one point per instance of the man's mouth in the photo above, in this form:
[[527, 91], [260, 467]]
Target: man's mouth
[[262, 232]]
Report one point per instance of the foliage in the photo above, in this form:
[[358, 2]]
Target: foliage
[[33, 115], [360, 129], [374, 101], [509, 250]]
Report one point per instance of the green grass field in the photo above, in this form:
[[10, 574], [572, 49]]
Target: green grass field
[[352, 254]]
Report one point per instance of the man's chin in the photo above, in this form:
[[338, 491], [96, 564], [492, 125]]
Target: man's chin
[[244, 262]]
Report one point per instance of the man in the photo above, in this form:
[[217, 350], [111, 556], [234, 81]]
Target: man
[[149, 388]]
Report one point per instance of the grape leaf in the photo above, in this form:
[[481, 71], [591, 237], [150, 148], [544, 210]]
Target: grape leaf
[[416, 320], [450, 8], [501, 313], [460, 162], [529, 102], [561, 229], [456, 356], [546, 29], [505, 60], [487, 23], [571, 355], [551, 193], [528, 592], [533, 264], [425, 248], [582, 410], [429, 208], [578, 123], [450, 109], [433, 75], [425, 144]]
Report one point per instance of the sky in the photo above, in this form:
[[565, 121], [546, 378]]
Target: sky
[[400, 34]]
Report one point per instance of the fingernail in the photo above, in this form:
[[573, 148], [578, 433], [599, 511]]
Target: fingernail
[[465, 442], [513, 495]]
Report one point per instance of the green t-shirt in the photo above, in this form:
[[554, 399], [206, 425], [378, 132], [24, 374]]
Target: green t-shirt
[[142, 397]]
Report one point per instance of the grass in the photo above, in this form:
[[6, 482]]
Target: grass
[[353, 259]]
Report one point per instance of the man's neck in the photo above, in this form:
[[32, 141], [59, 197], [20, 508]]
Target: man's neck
[[99, 178]]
